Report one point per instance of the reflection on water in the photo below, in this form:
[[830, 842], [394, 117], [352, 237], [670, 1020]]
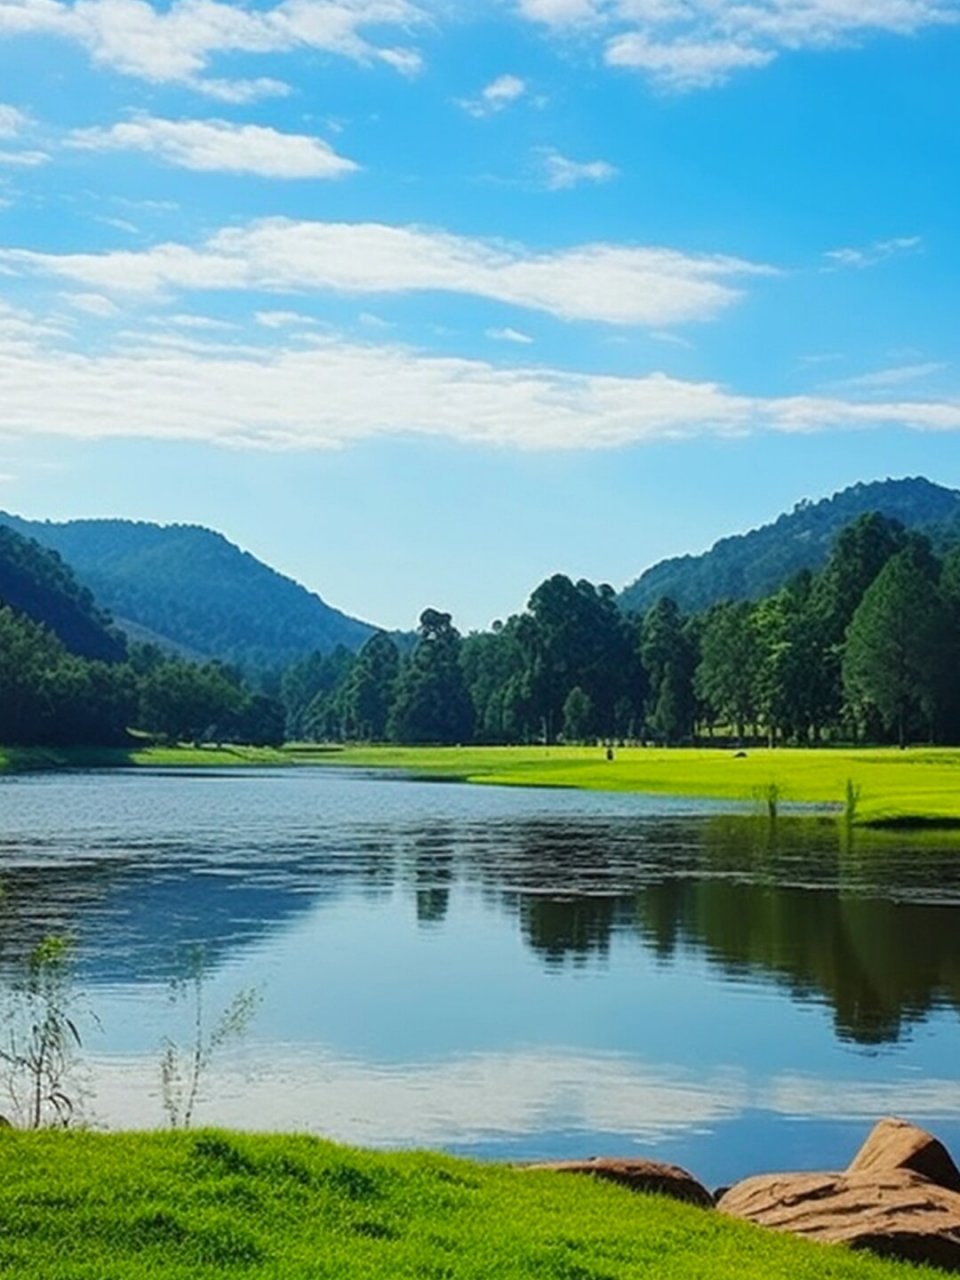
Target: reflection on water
[[511, 972]]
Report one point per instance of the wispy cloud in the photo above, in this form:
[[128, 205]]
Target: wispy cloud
[[12, 120], [697, 44], [178, 43], [560, 173], [220, 146], [24, 159], [92, 304], [498, 94], [609, 283], [283, 319], [869, 255], [685, 64], [334, 392], [509, 335], [561, 13], [884, 379]]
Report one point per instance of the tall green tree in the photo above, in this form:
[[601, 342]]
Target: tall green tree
[[577, 715], [668, 660], [574, 635], [493, 668], [894, 658], [369, 689], [727, 675], [432, 703]]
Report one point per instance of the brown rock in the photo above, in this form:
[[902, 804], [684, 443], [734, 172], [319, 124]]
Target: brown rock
[[894, 1213], [897, 1144], [637, 1175]]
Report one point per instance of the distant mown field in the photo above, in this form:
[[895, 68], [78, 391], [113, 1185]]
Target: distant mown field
[[889, 787], [915, 786], [194, 1206]]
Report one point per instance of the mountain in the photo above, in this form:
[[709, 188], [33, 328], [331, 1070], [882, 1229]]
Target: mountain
[[36, 582], [749, 565], [191, 590]]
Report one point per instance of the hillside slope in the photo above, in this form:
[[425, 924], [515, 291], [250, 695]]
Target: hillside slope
[[191, 588], [749, 565], [35, 581]]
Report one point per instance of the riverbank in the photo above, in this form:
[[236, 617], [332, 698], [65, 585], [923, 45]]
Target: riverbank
[[174, 1206], [879, 787], [872, 786]]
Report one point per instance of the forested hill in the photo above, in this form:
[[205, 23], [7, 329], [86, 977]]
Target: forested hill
[[35, 581], [749, 565], [191, 588]]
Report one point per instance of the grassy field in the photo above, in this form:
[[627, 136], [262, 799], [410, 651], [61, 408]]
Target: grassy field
[[25, 759], [85, 1206], [913, 786]]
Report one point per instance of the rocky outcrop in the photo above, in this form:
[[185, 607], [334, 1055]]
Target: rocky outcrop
[[896, 1144], [637, 1175], [899, 1198]]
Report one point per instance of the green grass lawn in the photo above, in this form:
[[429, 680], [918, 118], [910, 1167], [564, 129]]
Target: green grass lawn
[[920, 785], [917, 785], [86, 1206], [23, 759]]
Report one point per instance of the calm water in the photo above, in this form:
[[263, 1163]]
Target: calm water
[[499, 972]]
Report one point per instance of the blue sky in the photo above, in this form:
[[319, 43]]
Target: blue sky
[[421, 301]]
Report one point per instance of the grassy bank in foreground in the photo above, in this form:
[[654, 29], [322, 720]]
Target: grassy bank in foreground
[[84, 1206], [913, 786]]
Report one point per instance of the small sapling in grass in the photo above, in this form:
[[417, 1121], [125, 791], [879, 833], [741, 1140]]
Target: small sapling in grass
[[183, 1066], [41, 1038]]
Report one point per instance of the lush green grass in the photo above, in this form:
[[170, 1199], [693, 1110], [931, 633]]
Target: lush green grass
[[894, 786], [921, 785], [23, 759], [84, 1206]]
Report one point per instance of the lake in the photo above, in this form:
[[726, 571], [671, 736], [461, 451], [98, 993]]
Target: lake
[[500, 972]]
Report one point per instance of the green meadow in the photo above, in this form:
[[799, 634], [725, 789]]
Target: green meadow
[[916, 786], [194, 1206]]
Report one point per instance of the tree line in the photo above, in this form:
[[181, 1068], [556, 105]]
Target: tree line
[[866, 650], [52, 697]]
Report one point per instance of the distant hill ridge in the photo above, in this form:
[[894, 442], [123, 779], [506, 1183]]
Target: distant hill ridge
[[35, 581], [750, 565], [191, 589]]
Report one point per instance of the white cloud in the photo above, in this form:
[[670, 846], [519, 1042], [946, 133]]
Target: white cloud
[[561, 173], [684, 64], [335, 392], [241, 92], [870, 255], [509, 335], [495, 96], [561, 13], [612, 284], [219, 146], [12, 121], [92, 304], [24, 159], [177, 43], [671, 339], [189, 320], [883, 379], [282, 319], [696, 44]]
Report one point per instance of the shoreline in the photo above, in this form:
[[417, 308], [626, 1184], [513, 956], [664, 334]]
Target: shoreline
[[883, 788]]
